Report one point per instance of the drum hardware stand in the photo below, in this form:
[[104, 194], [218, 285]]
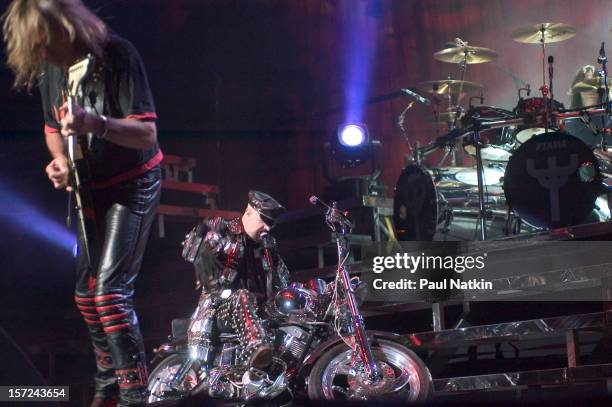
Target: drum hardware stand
[[400, 124], [462, 68], [544, 87], [448, 219], [449, 150], [604, 94], [513, 223], [549, 102], [417, 155], [527, 89], [482, 213]]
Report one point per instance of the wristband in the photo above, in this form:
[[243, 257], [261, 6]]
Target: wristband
[[105, 132]]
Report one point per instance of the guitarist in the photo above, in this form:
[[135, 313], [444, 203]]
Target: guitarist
[[43, 39]]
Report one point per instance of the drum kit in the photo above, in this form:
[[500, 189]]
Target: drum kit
[[538, 166]]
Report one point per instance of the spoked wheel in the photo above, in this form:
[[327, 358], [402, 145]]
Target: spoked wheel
[[404, 376], [160, 378]]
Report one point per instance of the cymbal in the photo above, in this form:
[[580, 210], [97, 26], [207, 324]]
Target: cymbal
[[471, 55], [444, 86], [586, 85], [553, 32]]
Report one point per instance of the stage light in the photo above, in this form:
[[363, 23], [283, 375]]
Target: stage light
[[352, 135], [23, 215], [351, 146]]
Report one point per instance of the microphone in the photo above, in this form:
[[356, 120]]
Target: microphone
[[268, 243], [416, 96], [550, 65], [602, 54], [550, 75], [267, 240]]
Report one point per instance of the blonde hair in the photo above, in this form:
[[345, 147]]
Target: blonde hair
[[28, 24]]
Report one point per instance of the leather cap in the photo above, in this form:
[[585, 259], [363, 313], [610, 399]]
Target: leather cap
[[268, 208]]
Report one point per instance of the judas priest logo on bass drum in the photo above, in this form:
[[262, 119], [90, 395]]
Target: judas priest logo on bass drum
[[552, 181]]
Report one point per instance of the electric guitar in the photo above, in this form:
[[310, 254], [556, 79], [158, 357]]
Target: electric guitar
[[77, 146]]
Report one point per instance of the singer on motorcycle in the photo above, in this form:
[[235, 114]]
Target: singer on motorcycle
[[238, 267]]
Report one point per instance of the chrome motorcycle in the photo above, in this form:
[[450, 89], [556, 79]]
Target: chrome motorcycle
[[321, 348]]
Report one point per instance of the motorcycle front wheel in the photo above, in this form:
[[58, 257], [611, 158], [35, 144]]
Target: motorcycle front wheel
[[404, 375], [159, 380]]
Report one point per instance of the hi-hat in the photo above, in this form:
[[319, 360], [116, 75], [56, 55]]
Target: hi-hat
[[451, 86], [469, 54], [552, 32]]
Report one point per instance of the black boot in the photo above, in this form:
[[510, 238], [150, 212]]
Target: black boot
[[126, 346], [106, 389]]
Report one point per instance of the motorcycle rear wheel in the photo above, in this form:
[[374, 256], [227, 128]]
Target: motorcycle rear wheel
[[159, 379], [334, 378]]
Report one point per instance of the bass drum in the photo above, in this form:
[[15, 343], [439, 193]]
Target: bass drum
[[552, 181], [415, 207]]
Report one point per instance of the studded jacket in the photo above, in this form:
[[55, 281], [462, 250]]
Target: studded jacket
[[226, 258]]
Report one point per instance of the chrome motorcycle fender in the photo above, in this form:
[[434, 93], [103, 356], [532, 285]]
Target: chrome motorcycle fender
[[316, 353]]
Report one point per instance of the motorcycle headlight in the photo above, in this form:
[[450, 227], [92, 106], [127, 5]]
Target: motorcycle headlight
[[294, 301]]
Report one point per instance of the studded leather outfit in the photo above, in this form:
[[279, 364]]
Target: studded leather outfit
[[227, 259]]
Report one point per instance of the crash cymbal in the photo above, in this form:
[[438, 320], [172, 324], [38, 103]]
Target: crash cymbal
[[445, 86], [586, 85], [553, 32], [471, 55]]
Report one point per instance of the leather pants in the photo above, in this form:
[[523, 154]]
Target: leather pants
[[117, 230]]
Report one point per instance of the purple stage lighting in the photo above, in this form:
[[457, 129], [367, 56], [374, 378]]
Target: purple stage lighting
[[352, 135], [360, 37], [21, 214]]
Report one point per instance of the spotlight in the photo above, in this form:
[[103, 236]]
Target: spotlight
[[352, 135], [352, 145]]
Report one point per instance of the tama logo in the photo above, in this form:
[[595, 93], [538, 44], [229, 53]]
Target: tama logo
[[551, 145]]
